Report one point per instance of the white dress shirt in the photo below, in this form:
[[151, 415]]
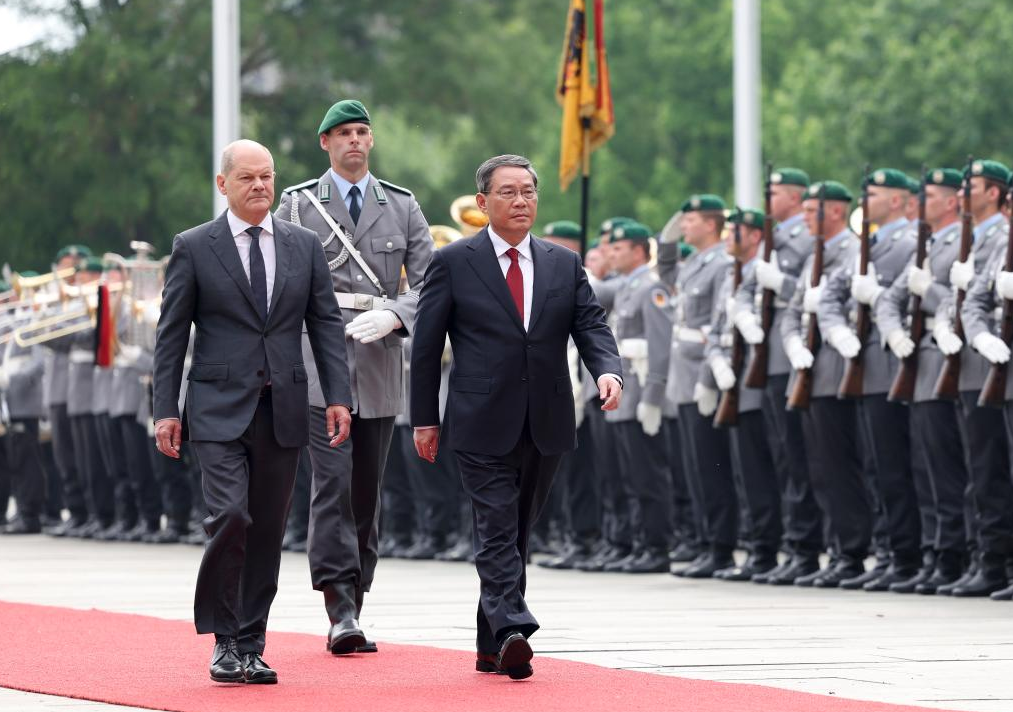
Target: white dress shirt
[[525, 262], [243, 240]]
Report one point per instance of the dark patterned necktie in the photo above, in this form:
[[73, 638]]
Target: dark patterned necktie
[[258, 275], [355, 208]]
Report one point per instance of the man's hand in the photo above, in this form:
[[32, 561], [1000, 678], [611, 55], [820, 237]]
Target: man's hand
[[373, 325], [649, 417], [724, 376], [339, 424], [865, 288], [811, 298], [900, 343], [1004, 285], [991, 347], [947, 341], [919, 279], [169, 437], [769, 274], [706, 399], [749, 326], [427, 442], [609, 391], [961, 274], [800, 357], [844, 340]]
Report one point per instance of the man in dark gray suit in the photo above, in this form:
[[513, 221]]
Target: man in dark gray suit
[[247, 282]]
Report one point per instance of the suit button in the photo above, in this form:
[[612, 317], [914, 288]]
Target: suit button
[[527, 346], [260, 373], [524, 378], [358, 278]]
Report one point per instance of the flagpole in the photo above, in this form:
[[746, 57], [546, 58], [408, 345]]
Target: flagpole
[[585, 183]]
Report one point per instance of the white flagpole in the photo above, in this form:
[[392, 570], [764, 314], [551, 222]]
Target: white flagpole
[[225, 53], [746, 100]]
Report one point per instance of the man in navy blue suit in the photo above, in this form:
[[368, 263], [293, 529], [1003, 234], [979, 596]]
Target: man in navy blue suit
[[510, 302]]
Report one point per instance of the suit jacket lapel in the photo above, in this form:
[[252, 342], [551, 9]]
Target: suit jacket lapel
[[282, 257], [483, 260], [224, 247], [371, 211], [544, 258]]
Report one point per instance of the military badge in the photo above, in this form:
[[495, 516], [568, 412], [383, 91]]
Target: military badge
[[695, 201], [937, 176], [324, 192], [977, 168], [381, 197], [659, 297], [879, 177], [776, 177]]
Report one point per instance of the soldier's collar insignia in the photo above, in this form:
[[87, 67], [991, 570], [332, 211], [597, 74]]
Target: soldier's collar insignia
[[708, 257], [324, 192], [991, 231], [950, 238], [381, 197], [795, 231]]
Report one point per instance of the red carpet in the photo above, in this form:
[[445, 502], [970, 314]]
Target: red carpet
[[160, 664]]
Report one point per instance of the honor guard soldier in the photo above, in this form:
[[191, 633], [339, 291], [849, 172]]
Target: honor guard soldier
[[884, 425], [935, 430], [990, 468], [643, 330], [830, 425], [706, 459], [793, 243], [370, 230]]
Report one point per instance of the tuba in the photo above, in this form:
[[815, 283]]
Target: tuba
[[443, 235], [468, 216]]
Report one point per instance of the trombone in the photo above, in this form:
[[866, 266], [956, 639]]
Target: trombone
[[57, 326]]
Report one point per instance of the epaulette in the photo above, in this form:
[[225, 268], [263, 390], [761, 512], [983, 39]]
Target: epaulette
[[398, 188], [308, 184]]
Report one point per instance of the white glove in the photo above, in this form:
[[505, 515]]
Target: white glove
[[991, 347], [373, 325], [4, 378], [865, 288], [844, 340], [919, 279], [636, 351], [749, 326], [1004, 285], [731, 308], [722, 370], [961, 274], [769, 274], [947, 341], [706, 399], [800, 357], [578, 411], [900, 343], [811, 299], [649, 417]]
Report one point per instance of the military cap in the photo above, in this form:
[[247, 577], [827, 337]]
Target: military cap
[[91, 264], [949, 177], [73, 251], [889, 178], [28, 273], [633, 231], [914, 186], [344, 112], [702, 202], [993, 170], [562, 228], [832, 190], [685, 250], [790, 176], [608, 225], [747, 217]]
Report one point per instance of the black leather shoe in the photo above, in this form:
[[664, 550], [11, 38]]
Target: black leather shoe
[[116, 531], [515, 657], [751, 567], [345, 637], [87, 530], [256, 671], [707, 565], [863, 577], [598, 563], [226, 665], [649, 562], [461, 551], [368, 647], [617, 565], [426, 548], [921, 576], [685, 553], [484, 662], [574, 553], [846, 569], [23, 526], [946, 589], [798, 566], [987, 581]]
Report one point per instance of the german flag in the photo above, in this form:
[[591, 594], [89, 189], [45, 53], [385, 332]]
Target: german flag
[[588, 121]]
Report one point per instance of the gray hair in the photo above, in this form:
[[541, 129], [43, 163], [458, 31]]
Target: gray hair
[[483, 176], [228, 153]]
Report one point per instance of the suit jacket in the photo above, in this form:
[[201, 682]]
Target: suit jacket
[[391, 233], [205, 284], [502, 375]]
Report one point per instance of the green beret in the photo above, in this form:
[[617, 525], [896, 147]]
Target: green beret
[[889, 178], [28, 273], [949, 177], [914, 186], [344, 112], [702, 202], [91, 264], [748, 217], [608, 225], [790, 176], [832, 190], [563, 228], [633, 231], [685, 250], [992, 170], [73, 251]]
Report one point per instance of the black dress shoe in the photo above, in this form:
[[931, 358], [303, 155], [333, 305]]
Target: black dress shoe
[[64, 528], [426, 548], [946, 589], [87, 530], [649, 562], [909, 586], [345, 637], [987, 581], [573, 554], [707, 565], [617, 565], [799, 566], [368, 647], [515, 657], [485, 662], [226, 666], [751, 567], [863, 577], [116, 531], [685, 553], [598, 563], [1003, 594], [846, 569], [23, 526], [256, 671], [894, 574], [460, 551]]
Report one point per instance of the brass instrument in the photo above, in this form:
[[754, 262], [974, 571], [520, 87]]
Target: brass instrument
[[20, 284], [443, 235], [466, 213], [56, 326]]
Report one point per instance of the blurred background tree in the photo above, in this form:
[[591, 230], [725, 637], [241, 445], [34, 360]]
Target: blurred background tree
[[107, 137]]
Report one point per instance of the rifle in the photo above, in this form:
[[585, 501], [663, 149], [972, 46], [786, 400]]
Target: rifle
[[903, 388], [993, 393], [854, 372], [756, 376], [802, 390], [727, 413], [948, 383]]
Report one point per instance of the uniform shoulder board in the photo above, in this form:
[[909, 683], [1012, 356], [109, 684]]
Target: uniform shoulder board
[[393, 187], [300, 186], [795, 231], [708, 257]]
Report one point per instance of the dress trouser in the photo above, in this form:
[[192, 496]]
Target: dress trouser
[[115, 465], [616, 523], [507, 494], [582, 500], [935, 433], [248, 489], [685, 523], [649, 484], [66, 462], [835, 470], [131, 438], [397, 512], [22, 468], [803, 525], [708, 467], [752, 462], [97, 485], [433, 490], [990, 490]]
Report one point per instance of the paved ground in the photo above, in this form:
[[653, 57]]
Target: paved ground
[[936, 652]]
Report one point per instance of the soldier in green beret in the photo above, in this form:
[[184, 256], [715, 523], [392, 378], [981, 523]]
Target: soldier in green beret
[[371, 231], [565, 233]]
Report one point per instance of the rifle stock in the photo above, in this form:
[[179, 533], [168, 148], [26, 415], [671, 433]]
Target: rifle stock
[[756, 375], [993, 393], [854, 373], [801, 390], [727, 414]]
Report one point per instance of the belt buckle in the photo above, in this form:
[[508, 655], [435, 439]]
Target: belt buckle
[[363, 302]]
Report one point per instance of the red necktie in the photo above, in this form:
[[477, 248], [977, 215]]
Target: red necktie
[[515, 281]]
